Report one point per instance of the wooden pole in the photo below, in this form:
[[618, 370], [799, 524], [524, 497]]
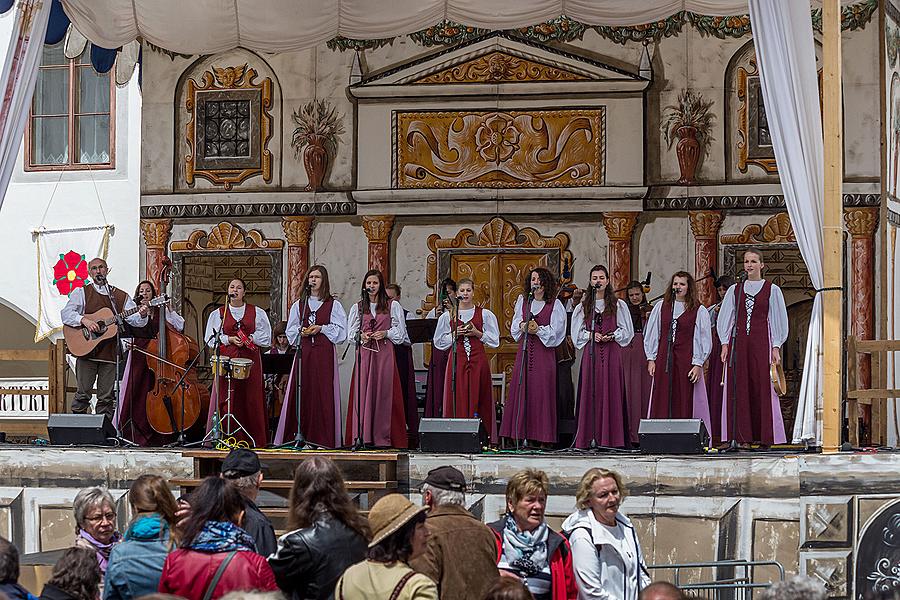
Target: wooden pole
[[832, 119]]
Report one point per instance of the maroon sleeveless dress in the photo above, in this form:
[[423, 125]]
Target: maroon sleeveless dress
[[601, 411], [677, 377]]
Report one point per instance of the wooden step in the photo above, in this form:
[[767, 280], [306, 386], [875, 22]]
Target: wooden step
[[286, 484], [264, 455]]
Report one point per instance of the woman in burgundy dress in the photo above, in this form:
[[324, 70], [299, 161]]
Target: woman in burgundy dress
[[601, 414], [437, 366], [138, 379], [240, 328], [376, 413], [539, 321], [680, 324], [317, 322], [634, 361], [474, 328]]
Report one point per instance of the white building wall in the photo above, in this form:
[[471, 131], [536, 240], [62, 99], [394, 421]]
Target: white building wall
[[58, 199]]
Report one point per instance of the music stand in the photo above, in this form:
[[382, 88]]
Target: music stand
[[421, 331]]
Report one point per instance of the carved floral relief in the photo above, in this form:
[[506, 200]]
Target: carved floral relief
[[514, 149], [500, 67]]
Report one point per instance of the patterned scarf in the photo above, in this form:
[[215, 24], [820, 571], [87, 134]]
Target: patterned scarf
[[222, 536], [103, 550], [525, 551]]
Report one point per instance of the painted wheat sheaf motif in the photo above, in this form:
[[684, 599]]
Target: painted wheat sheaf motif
[[514, 149]]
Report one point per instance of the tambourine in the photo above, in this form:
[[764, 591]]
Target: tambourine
[[776, 373]]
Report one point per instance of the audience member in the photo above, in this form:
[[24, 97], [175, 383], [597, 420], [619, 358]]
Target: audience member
[[606, 554], [661, 590], [253, 596], [95, 523], [214, 552], [461, 553], [528, 549], [76, 576], [9, 573], [136, 564], [398, 535], [795, 588], [507, 588], [327, 533], [243, 468]]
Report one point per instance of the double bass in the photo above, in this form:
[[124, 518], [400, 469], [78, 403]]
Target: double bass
[[171, 407]]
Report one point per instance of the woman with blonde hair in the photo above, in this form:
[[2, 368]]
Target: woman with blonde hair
[[606, 552], [136, 564], [527, 548]]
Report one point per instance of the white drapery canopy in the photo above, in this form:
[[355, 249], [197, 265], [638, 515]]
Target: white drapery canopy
[[209, 26]]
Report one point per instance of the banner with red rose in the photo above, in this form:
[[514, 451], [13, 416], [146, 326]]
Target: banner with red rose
[[63, 256]]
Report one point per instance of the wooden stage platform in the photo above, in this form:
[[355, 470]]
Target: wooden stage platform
[[829, 516]]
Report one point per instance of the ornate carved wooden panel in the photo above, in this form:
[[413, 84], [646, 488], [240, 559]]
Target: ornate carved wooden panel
[[514, 149], [230, 126], [501, 67]]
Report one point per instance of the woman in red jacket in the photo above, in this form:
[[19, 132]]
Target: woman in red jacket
[[215, 554], [527, 548]]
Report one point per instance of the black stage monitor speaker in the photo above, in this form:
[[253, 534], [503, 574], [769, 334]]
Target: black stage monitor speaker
[[80, 430], [463, 436], [673, 436]]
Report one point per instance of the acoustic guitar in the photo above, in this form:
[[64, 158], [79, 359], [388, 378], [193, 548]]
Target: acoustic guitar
[[81, 340]]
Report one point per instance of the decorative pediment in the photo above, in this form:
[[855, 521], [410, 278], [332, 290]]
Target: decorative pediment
[[497, 59], [226, 236], [500, 67], [777, 229]]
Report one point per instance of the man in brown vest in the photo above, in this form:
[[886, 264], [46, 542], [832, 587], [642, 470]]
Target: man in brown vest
[[100, 363]]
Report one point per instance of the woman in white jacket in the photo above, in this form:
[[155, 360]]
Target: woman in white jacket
[[606, 554]]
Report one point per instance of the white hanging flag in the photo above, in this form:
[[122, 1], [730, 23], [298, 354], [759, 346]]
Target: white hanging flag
[[62, 260]]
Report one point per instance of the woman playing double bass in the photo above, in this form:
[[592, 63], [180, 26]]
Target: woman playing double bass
[[139, 380]]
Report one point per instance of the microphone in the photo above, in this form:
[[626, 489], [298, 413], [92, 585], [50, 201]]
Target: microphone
[[742, 276], [712, 274]]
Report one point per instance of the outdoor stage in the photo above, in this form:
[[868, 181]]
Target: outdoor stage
[[830, 516]]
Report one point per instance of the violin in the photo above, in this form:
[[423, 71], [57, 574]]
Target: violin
[[172, 408]]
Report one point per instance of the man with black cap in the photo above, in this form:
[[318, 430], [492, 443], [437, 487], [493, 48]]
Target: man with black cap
[[461, 552], [242, 467]]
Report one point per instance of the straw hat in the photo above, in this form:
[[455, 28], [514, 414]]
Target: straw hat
[[389, 514]]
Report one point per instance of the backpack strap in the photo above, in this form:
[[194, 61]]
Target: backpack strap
[[568, 536], [401, 584], [207, 595]]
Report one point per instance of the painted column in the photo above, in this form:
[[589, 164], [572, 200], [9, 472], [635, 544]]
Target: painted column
[[297, 231], [705, 226], [861, 224], [619, 228], [156, 239], [378, 232]]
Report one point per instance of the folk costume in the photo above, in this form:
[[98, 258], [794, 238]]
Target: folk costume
[[247, 397], [530, 409], [689, 334], [601, 412], [473, 372], [761, 318], [376, 379], [320, 405]]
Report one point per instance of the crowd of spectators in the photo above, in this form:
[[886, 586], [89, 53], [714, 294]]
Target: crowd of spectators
[[216, 543]]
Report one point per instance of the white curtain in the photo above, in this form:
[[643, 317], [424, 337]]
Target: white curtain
[[209, 26], [782, 34], [20, 70]]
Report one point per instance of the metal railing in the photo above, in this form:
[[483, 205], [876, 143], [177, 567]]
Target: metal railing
[[732, 579]]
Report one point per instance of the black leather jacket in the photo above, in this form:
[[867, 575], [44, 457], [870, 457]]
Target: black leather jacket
[[309, 561]]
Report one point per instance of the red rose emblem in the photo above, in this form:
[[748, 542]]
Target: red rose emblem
[[69, 272]]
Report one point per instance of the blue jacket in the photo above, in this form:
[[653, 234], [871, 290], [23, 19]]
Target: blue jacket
[[135, 565]]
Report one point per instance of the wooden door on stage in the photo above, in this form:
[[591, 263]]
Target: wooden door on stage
[[498, 278]]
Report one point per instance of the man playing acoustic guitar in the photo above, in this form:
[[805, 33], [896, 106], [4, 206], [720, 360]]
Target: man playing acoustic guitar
[[100, 363]]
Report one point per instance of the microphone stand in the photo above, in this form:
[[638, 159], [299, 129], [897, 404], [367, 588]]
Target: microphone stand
[[299, 442], [454, 325], [213, 435], [358, 442], [120, 322], [732, 349], [669, 355], [593, 445], [180, 441]]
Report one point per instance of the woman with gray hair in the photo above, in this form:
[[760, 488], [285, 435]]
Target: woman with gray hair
[[606, 553], [95, 523]]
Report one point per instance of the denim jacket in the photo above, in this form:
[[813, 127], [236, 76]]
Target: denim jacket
[[135, 565]]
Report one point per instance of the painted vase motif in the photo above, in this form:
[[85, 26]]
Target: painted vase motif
[[688, 152], [315, 161]]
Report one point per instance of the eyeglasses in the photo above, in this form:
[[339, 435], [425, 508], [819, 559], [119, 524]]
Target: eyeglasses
[[110, 516]]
